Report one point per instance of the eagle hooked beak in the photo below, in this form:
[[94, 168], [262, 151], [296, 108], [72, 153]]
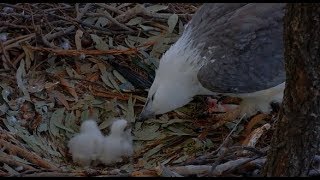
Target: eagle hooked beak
[[146, 113], [129, 126]]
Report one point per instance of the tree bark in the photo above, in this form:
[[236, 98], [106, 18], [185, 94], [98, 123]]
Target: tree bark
[[296, 138]]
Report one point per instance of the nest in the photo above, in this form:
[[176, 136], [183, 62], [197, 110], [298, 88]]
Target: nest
[[64, 63]]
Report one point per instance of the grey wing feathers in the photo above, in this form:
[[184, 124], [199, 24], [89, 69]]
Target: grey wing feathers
[[243, 47]]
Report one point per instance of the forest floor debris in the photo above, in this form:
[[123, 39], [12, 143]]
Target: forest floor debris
[[64, 63]]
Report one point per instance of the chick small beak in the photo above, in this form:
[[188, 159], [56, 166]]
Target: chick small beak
[[129, 126]]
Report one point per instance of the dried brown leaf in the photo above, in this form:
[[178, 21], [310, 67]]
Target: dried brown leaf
[[135, 21], [100, 43], [69, 87], [155, 8], [93, 77], [101, 22], [113, 81], [61, 97], [20, 76], [77, 39], [104, 75], [29, 57], [172, 22], [56, 118]]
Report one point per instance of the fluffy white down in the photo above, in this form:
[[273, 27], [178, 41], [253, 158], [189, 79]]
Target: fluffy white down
[[86, 146], [91, 146], [117, 144]]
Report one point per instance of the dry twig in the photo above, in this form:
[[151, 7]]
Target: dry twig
[[32, 157], [62, 52], [9, 160]]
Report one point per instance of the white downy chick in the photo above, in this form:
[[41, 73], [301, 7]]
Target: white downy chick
[[86, 146], [118, 143]]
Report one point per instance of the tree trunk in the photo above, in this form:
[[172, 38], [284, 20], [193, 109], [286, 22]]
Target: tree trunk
[[297, 135]]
